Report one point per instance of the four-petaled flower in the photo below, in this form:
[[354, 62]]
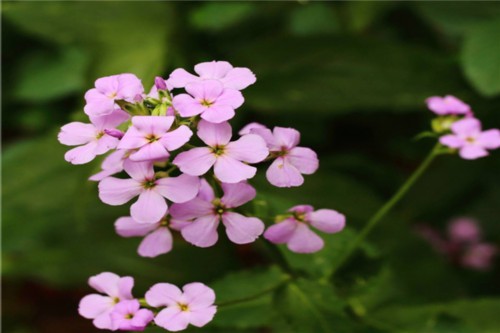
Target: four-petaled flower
[[92, 138], [296, 233], [208, 211], [194, 305], [209, 98], [447, 105], [101, 99], [151, 205], [151, 135], [470, 140], [99, 307], [128, 316], [231, 77], [226, 157]]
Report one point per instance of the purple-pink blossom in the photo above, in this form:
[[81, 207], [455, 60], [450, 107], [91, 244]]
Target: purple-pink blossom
[[91, 139], [194, 305], [101, 99], [209, 98], [231, 77], [291, 161], [112, 164], [152, 191], [447, 105], [113, 289], [206, 211], [152, 136], [295, 231], [157, 236], [128, 316], [228, 158], [470, 140]]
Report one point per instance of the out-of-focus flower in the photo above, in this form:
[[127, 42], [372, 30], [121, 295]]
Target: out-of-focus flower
[[296, 233], [464, 230], [128, 316], [468, 138], [194, 305], [207, 212], [479, 256], [447, 105], [227, 157]]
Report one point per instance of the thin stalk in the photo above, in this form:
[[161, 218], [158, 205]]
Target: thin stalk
[[372, 222]]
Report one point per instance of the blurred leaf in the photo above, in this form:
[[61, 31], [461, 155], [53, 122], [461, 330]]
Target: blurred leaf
[[481, 58], [313, 18], [253, 313], [122, 37], [216, 16], [363, 14], [338, 74], [478, 316], [46, 76]]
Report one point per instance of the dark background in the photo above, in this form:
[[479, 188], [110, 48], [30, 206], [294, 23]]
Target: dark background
[[351, 76]]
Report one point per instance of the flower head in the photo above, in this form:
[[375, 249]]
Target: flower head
[[296, 233], [194, 305], [92, 139], [235, 78], [101, 99], [479, 256], [468, 138], [151, 205], [99, 307], [209, 98], [227, 157], [151, 136], [206, 212], [447, 105], [464, 230], [157, 236], [128, 316]]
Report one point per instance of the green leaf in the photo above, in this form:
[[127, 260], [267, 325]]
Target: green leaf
[[250, 314], [313, 18], [46, 76], [216, 16], [481, 58], [122, 37]]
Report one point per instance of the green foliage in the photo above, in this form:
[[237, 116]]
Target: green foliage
[[216, 16], [314, 18]]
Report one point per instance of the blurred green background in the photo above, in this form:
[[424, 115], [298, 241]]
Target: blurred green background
[[351, 76]]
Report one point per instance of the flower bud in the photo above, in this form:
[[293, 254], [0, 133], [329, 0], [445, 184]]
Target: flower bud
[[160, 83]]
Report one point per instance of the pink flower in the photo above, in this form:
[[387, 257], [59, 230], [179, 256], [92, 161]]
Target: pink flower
[[112, 164], [447, 105], [151, 205], [250, 127], [101, 99], [128, 316], [464, 230], [151, 135], [194, 305], [479, 256], [470, 140], [226, 157], [235, 78], [99, 307], [291, 161], [92, 139], [295, 231], [158, 238], [207, 212], [209, 98]]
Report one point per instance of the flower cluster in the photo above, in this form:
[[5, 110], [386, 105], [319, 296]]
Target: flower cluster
[[460, 130], [174, 150], [463, 244], [169, 307]]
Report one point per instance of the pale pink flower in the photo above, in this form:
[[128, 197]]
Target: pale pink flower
[[209, 98], [468, 138], [207, 212], [447, 105], [479, 256], [157, 236], [101, 99], [464, 230], [151, 205], [296, 233], [194, 305], [112, 164], [99, 307], [248, 129], [92, 138], [151, 136], [128, 316], [235, 78], [226, 157], [291, 161]]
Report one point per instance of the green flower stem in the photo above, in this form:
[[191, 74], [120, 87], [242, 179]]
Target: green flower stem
[[372, 222]]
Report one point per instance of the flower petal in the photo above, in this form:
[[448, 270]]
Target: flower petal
[[304, 240], [115, 192], [93, 305], [128, 227], [231, 97], [180, 78], [282, 174], [239, 78], [303, 159], [237, 194], [178, 189], [250, 148], [242, 229], [150, 152], [229, 170], [286, 137], [187, 106], [198, 295], [156, 243], [489, 139], [82, 154], [327, 220], [191, 209], [76, 133], [213, 69], [472, 152], [281, 232], [452, 141], [177, 138], [200, 318], [214, 134], [125, 285], [140, 171], [149, 208], [173, 319], [466, 127], [196, 161], [132, 139], [163, 294], [202, 232], [218, 113], [106, 283]]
